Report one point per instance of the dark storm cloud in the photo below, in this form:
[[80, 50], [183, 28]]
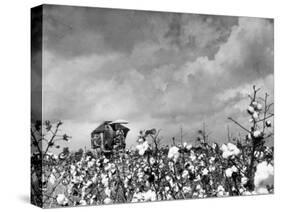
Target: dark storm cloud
[[155, 69], [246, 56], [80, 31], [200, 33]]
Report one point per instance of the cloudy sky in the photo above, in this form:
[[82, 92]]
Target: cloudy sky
[[156, 70]]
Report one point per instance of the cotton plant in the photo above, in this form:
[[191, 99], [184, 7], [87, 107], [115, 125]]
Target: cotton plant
[[260, 130], [171, 183], [153, 171], [45, 136]]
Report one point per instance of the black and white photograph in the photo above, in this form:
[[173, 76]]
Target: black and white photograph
[[132, 106]]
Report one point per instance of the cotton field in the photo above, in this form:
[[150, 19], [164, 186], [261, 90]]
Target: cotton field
[[153, 171]]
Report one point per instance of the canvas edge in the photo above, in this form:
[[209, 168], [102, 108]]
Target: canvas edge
[[36, 27]]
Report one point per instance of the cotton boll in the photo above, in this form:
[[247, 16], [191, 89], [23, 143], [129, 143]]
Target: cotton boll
[[198, 178], [107, 200], [94, 179], [212, 168], [186, 189], [185, 174], [225, 154], [108, 167], [234, 169], [205, 171], [257, 134], [91, 163], [249, 136], [150, 196], [167, 188], [62, 200], [211, 160], [202, 163], [254, 104], [192, 156], [259, 107], [250, 110], [187, 146], [107, 191], [220, 188], [231, 146], [214, 145], [105, 160], [83, 202], [255, 116], [171, 165], [191, 168], [140, 140], [220, 194], [104, 180], [220, 191], [55, 156], [198, 187], [152, 160], [136, 197], [229, 150], [142, 148], [195, 194], [173, 153], [264, 176], [228, 172], [52, 179], [168, 178], [224, 147], [244, 180]]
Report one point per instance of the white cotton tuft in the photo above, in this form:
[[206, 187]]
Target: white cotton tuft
[[61, 199], [174, 153], [264, 176], [229, 150], [142, 148]]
